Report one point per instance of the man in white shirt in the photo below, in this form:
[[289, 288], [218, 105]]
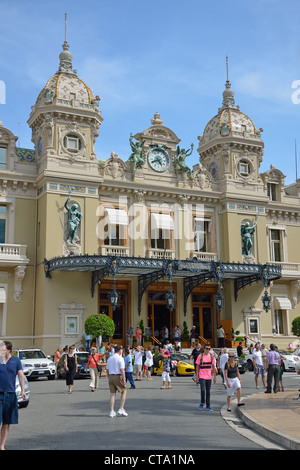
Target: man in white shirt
[[138, 362], [258, 365], [115, 369]]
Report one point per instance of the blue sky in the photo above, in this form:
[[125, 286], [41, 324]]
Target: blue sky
[[168, 56]]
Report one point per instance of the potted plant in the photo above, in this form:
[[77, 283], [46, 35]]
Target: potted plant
[[185, 336], [99, 324]]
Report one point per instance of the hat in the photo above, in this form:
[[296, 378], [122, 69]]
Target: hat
[[93, 348], [166, 352]]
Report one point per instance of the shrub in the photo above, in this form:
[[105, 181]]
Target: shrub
[[296, 326], [99, 324]]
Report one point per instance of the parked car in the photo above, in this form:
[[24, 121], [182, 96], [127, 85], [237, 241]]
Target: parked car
[[289, 362], [35, 363], [180, 361], [21, 402], [82, 360]]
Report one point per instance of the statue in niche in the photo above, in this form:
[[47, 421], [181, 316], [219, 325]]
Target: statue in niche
[[74, 219], [180, 164], [247, 237], [137, 157]]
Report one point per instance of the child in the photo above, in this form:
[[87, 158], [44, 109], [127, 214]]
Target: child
[[166, 372]]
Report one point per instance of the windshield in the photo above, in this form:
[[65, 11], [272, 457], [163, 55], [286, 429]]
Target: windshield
[[180, 357], [32, 355]]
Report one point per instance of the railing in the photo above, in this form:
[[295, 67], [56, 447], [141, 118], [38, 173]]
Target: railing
[[8, 250], [204, 256], [288, 269], [159, 253], [115, 250]]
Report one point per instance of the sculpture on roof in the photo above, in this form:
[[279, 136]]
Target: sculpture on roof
[[180, 157], [137, 157], [247, 232]]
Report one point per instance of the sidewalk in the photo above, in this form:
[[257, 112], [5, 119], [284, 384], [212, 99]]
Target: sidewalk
[[275, 416]]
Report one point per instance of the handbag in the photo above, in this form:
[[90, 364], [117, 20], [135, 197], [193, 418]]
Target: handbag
[[99, 367], [148, 362]]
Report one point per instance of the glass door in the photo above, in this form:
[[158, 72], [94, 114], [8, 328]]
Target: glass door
[[203, 321]]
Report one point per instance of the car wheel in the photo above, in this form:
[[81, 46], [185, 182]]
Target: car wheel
[[250, 365], [51, 377]]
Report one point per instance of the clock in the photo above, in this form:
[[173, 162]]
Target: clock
[[158, 158]]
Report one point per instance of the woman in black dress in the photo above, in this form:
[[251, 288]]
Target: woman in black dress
[[71, 367]]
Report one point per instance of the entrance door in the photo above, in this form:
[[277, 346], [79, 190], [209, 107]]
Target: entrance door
[[116, 315], [203, 321], [159, 316]]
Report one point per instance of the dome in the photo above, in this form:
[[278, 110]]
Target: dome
[[66, 88], [229, 121]]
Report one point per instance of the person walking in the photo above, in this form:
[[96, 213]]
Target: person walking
[[233, 380], [94, 368], [138, 362], [129, 368], [205, 366], [115, 370], [57, 357], [258, 365], [222, 359], [71, 367], [10, 367], [221, 336], [273, 369], [165, 354], [149, 362], [129, 335], [194, 355]]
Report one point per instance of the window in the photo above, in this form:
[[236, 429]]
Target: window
[[161, 227], [115, 230], [279, 322], [244, 168], [3, 153], [3, 216], [202, 229], [271, 191], [276, 245], [72, 143]]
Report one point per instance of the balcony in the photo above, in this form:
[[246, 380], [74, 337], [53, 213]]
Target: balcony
[[160, 253], [204, 256], [115, 250], [288, 270], [13, 255]]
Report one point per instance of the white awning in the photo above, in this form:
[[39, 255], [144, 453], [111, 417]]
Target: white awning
[[116, 216], [163, 221], [282, 303], [2, 295]]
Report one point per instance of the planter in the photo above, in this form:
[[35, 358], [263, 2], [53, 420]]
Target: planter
[[185, 344]]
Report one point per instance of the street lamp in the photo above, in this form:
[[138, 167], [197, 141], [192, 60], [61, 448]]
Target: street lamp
[[266, 300], [220, 300], [114, 297], [170, 298]]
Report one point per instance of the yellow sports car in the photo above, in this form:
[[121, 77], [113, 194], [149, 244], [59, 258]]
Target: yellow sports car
[[179, 361]]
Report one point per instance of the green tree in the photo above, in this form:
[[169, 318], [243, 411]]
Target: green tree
[[99, 324], [185, 334], [296, 326]]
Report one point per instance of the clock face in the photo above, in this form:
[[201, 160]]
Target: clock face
[[158, 159]]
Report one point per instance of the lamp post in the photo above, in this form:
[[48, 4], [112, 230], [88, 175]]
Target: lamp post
[[114, 295], [266, 300], [220, 300], [170, 298]]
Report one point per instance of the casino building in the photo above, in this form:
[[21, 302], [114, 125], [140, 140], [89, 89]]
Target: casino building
[[145, 237]]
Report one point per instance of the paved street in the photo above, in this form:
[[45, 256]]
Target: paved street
[[157, 419]]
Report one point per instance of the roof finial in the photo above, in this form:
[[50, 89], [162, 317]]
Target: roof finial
[[66, 27], [227, 69], [65, 57]]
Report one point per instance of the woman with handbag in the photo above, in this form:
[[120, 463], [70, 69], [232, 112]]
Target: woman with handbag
[[94, 367]]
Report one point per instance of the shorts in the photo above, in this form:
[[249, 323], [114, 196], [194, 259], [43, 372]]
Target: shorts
[[193, 340], [115, 384], [259, 369], [234, 385], [8, 408], [138, 367]]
